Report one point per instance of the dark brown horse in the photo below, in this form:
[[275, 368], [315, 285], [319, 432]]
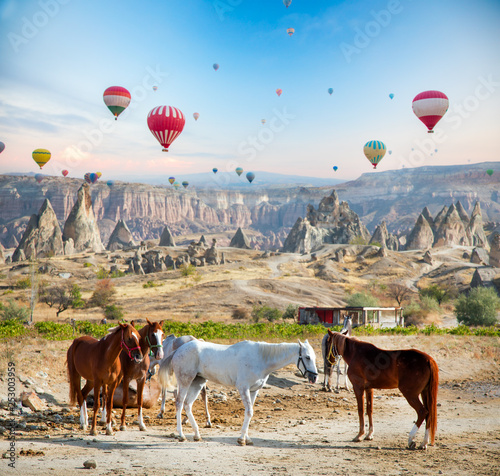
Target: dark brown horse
[[413, 372], [98, 361], [150, 342]]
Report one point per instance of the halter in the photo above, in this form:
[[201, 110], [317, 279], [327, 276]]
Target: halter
[[151, 346], [333, 353], [129, 351], [304, 372]]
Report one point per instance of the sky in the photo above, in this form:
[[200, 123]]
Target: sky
[[58, 57]]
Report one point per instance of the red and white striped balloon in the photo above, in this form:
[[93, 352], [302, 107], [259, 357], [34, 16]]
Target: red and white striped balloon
[[166, 123], [430, 107]]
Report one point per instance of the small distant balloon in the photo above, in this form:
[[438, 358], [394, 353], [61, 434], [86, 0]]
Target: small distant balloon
[[290, 31], [263, 121], [435, 150], [65, 173], [330, 91], [185, 184], [489, 172], [41, 156], [99, 174], [117, 99], [155, 88], [171, 180], [2, 147], [250, 176], [390, 152], [196, 115], [287, 3], [93, 177], [39, 177], [374, 151], [335, 168], [391, 96], [110, 183], [176, 185], [239, 171], [279, 91], [216, 66], [215, 170]]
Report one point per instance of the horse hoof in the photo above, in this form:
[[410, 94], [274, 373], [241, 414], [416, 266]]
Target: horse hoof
[[160, 415], [142, 428], [208, 425], [123, 428], [358, 438], [422, 447], [181, 438], [197, 438], [93, 432], [241, 441], [412, 446], [249, 442], [109, 432], [369, 437]]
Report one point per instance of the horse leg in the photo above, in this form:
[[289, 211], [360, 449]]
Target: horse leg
[[179, 405], [84, 419], [109, 406], [205, 400], [328, 370], [247, 398], [338, 375], [194, 390], [346, 377], [125, 381], [163, 398], [97, 389], [140, 389], [369, 411], [422, 413], [359, 392]]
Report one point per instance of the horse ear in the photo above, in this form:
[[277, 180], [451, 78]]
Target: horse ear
[[330, 332], [300, 343], [123, 326], [132, 323], [149, 322], [161, 324]]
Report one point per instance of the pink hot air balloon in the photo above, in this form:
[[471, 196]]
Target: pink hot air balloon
[[196, 115], [430, 107], [65, 172], [166, 123], [279, 91]]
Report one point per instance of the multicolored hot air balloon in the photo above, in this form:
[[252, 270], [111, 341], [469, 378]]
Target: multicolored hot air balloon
[[41, 156], [279, 91], [93, 177], [99, 174], [263, 121], [335, 168], [374, 151], [87, 177], [215, 170], [250, 176], [166, 123], [290, 31], [117, 99], [287, 3], [330, 91], [2, 147], [39, 177], [430, 107], [155, 88], [176, 185], [196, 115], [239, 171], [171, 180], [216, 66], [489, 172], [185, 184], [64, 173], [391, 96]]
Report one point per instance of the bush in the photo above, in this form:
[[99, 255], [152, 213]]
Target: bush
[[87, 265], [102, 273], [113, 311], [103, 293], [437, 293], [14, 312], [362, 300], [23, 283], [290, 312], [117, 274], [265, 312], [358, 240], [76, 296], [240, 313], [479, 308], [417, 311], [187, 270]]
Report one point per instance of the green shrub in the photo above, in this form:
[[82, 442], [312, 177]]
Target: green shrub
[[11, 328], [87, 265], [479, 308], [14, 312], [438, 293], [362, 300], [23, 283], [102, 273], [54, 331], [187, 270], [117, 274], [265, 312], [113, 311], [291, 312], [358, 240], [151, 284], [76, 296]]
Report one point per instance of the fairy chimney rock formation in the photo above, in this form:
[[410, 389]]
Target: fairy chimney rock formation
[[386, 239], [240, 240], [167, 238], [421, 237], [81, 225], [462, 213], [42, 238], [439, 218], [427, 215], [120, 238], [451, 230], [475, 229], [495, 250]]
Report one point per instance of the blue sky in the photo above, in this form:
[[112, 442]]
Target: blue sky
[[58, 57]]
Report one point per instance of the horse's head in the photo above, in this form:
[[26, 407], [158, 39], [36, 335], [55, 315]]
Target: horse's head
[[154, 339], [334, 346], [130, 342], [307, 362]]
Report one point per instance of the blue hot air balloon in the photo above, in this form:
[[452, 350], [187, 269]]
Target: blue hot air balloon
[[250, 176], [239, 171], [110, 183], [287, 3], [391, 96], [216, 66], [330, 91], [215, 170], [335, 168]]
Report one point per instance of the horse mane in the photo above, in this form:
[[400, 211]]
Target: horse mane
[[270, 351], [111, 331]]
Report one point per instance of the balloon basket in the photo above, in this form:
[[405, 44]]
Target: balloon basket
[[164, 150], [430, 132]]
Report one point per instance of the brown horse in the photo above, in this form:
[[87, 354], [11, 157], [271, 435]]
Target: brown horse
[[98, 361], [150, 342], [413, 372]]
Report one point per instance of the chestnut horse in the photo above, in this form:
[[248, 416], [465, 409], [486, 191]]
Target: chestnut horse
[[413, 372], [98, 361], [151, 338]]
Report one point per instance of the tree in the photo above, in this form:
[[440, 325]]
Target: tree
[[479, 308], [399, 292], [290, 312], [265, 312], [436, 292], [103, 293], [362, 300], [59, 297]]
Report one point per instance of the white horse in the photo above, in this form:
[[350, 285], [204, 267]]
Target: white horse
[[245, 365], [327, 366], [171, 344]]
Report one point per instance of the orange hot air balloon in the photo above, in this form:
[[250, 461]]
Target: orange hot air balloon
[[279, 91], [290, 31]]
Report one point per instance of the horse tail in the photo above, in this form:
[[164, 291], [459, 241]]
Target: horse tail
[[430, 398], [166, 375], [71, 372]]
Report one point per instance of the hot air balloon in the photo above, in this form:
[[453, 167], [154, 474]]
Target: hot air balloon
[[279, 91], [185, 184], [216, 66], [489, 172], [171, 180], [87, 177], [239, 171], [374, 151], [250, 176], [335, 168], [99, 174], [435, 150], [110, 183], [196, 115], [287, 3], [155, 88], [430, 107], [390, 152], [93, 177], [64, 173], [166, 123], [176, 185], [263, 121], [41, 156], [290, 31], [215, 170], [39, 177], [391, 96], [330, 91], [2, 147], [117, 99]]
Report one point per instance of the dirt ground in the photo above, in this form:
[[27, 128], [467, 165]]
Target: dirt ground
[[297, 428]]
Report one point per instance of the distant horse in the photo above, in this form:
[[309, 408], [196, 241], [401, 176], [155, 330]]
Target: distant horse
[[327, 366], [151, 338], [171, 344], [413, 372], [245, 365], [98, 361]]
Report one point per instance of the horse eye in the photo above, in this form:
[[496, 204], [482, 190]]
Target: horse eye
[[308, 358]]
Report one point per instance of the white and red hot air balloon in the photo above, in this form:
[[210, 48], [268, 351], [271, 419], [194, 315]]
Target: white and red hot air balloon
[[430, 107], [117, 99], [166, 123]]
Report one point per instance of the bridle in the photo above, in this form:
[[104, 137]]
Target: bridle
[[151, 346], [306, 371], [333, 353], [129, 351]]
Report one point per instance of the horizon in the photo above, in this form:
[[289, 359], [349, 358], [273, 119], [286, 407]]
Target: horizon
[[55, 72]]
